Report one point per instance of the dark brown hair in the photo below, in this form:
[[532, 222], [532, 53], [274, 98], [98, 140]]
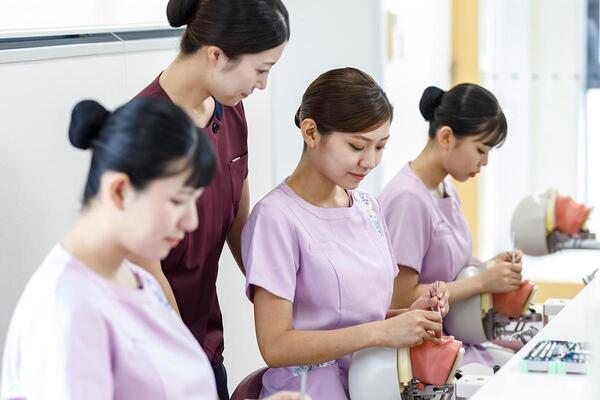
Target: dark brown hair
[[133, 139], [345, 100], [468, 109], [235, 26]]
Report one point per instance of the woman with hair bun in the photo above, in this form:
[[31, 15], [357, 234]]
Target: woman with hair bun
[[429, 234], [319, 267], [90, 324], [227, 51]]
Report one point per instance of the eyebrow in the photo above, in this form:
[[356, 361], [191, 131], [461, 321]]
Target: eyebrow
[[366, 139]]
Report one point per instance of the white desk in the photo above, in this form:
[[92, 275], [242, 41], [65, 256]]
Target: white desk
[[567, 266], [574, 322]]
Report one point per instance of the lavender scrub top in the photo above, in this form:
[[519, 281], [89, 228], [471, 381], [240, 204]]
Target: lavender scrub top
[[430, 235], [334, 265], [74, 335]]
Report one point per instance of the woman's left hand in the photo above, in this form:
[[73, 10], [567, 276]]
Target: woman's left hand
[[432, 298], [506, 256]]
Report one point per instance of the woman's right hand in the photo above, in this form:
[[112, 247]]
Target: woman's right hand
[[501, 276], [411, 328]]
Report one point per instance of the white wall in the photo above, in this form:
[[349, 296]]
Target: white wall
[[26, 18], [322, 38], [422, 39], [43, 175], [532, 59]]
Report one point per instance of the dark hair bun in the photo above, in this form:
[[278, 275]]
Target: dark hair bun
[[431, 98], [297, 118], [87, 119], [180, 11]]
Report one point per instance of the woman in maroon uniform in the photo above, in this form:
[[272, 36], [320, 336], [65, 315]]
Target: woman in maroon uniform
[[227, 51]]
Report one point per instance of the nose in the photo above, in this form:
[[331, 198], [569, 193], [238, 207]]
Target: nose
[[368, 160], [189, 220], [261, 83]]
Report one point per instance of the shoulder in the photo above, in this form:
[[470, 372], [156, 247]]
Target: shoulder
[[153, 90], [404, 196], [234, 117], [60, 294], [275, 205], [404, 183]]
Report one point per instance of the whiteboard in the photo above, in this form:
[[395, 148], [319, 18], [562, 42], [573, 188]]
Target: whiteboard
[[20, 18]]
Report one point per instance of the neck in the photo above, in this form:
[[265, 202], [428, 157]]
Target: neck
[[185, 84], [90, 240], [315, 188], [429, 168]]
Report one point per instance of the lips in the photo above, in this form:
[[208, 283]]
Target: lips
[[359, 177], [173, 241]]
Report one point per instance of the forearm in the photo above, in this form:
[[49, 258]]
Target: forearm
[[235, 246], [295, 347], [463, 289], [234, 237], [405, 296]]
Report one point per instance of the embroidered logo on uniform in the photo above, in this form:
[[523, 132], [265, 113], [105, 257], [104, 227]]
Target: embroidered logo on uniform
[[371, 212], [156, 290], [298, 370]]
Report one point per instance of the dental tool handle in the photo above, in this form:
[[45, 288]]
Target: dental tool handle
[[514, 248], [303, 378]]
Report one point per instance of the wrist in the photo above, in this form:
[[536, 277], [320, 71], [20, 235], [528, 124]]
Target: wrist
[[480, 282], [376, 335]]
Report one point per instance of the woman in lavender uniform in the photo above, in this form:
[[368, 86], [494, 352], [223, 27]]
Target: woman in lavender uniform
[[429, 234], [320, 269], [90, 324]]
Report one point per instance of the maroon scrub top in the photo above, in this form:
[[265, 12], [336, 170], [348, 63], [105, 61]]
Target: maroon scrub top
[[191, 267]]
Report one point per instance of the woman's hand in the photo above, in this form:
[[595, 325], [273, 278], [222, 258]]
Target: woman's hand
[[410, 329], [506, 256], [501, 275], [432, 298]]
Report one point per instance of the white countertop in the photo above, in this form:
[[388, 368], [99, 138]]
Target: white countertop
[[573, 323], [568, 266]]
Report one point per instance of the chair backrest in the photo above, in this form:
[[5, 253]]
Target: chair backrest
[[250, 386]]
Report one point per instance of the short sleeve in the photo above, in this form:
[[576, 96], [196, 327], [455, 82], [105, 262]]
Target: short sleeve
[[409, 225], [63, 354], [83, 353], [270, 251]]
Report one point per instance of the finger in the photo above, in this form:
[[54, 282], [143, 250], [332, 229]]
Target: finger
[[518, 255], [517, 277], [443, 304], [433, 326], [446, 310], [516, 267], [432, 338], [433, 302], [442, 292], [391, 313], [432, 316]]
